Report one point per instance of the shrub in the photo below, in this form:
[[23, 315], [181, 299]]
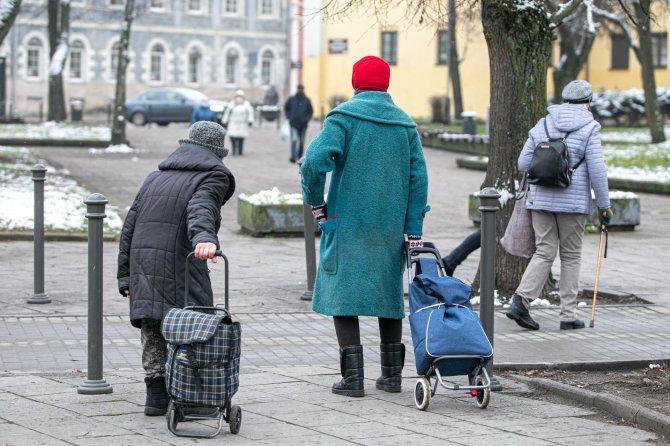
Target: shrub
[[626, 106]]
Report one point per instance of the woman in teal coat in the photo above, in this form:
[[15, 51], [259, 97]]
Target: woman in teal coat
[[377, 194]]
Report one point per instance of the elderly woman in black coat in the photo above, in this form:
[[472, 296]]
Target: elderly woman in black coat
[[177, 210]]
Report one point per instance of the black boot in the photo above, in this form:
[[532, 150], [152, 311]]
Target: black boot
[[519, 314], [157, 397], [351, 367], [392, 357]]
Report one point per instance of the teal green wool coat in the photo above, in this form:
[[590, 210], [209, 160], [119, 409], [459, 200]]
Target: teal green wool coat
[[377, 193]]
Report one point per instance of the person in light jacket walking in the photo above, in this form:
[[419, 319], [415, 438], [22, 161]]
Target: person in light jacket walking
[[377, 194], [237, 119], [559, 214], [176, 211]]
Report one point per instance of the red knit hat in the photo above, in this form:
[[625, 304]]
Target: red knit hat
[[371, 73]]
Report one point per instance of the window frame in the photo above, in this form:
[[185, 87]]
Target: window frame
[[393, 60], [239, 8], [659, 53], [440, 50], [161, 65], [81, 52], [199, 11], [116, 4], [273, 14], [194, 51], [38, 58], [235, 69], [270, 69], [619, 61]]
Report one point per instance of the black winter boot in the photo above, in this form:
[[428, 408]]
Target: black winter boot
[[392, 357], [351, 367], [157, 397], [519, 314]]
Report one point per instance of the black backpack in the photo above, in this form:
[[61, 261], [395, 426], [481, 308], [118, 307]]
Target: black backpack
[[549, 166]]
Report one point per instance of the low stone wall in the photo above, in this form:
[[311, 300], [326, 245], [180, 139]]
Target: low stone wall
[[439, 139], [625, 205], [270, 219]]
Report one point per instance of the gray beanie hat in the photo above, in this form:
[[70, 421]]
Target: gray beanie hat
[[577, 92], [209, 135]]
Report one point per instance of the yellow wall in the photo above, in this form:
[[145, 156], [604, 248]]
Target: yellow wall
[[417, 77]]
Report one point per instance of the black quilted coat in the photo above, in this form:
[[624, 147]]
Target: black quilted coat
[[177, 207]]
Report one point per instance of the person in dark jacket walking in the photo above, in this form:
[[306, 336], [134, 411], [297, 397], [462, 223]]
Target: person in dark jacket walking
[[203, 113], [559, 214], [298, 110], [176, 211]]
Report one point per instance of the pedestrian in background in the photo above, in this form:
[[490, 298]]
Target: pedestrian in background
[[298, 110], [271, 96], [377, 193], [176, 211], [203, 113], [559, 214], [237, 119]]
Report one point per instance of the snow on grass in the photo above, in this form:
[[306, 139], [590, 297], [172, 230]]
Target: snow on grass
[[273, 196], [114, 148], [64, 208], [55, 130]]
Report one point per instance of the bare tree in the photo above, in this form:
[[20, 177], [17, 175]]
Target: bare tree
[[59, 36], [576, 36], [454, 72], [119, 121], [641, 21], [9, 9]]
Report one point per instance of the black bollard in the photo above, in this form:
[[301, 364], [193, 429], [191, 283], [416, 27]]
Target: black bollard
[[95, 212], [39, 177], [310, 249], [488, 199]]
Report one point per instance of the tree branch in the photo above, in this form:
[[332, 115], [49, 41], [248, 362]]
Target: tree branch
[[563, 11]]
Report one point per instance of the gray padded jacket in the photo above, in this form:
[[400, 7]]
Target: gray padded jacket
[[583, 142]]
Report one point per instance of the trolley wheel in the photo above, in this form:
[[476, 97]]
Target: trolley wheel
[[235, 419], [172, 415], [422, 393], [483, 395]]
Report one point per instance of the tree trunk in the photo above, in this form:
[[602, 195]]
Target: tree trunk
[[59, 34], [519, 43], [652, 109], [573, 56], [453, 61], [7, 19], [119, 121]]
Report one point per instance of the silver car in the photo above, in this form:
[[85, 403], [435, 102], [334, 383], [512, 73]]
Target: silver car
[[166, 105]]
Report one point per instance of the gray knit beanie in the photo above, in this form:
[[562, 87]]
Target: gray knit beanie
[[209, 135], [577, 92]]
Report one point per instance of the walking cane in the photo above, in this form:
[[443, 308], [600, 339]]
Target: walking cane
[[603, 230]]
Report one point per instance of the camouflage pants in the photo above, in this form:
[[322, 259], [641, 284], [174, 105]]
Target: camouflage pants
[[154, 349]]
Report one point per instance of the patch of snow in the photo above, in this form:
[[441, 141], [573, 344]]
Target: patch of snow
[[64, 208], [542, 303], [273, 196], [55, 130], [115, 148]]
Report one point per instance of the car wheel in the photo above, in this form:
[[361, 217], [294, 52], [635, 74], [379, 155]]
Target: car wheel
[[138, 118]]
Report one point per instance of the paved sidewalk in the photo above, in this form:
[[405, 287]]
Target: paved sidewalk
[[290, 357]]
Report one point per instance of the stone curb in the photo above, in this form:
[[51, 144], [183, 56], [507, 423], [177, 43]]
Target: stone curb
[[15, 236], [578, 366], [628, 410]]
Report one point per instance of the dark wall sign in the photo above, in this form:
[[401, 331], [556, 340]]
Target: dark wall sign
[[337, 46]]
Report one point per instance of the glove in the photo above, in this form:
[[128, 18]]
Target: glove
[[415, 241], [605, 216], [319, 212]]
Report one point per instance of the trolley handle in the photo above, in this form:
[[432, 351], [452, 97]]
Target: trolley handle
[[427, 248], [187, 279], [226, 314]]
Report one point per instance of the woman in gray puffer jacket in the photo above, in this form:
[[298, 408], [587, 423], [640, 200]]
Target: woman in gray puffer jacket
[[559, 214]]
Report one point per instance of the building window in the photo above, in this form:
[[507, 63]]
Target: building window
[[659, 49], [620, 52], [390, 47], [266, 67], [194, 6], [117, 2], [34, 59], [114, 60], [76, 68], [194, 63], [156, 4], [442, 50], [157, 57], [231, 66], [267, 7], [230, 7]]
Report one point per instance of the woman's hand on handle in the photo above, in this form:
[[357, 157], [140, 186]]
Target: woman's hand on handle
[[204, 251]]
